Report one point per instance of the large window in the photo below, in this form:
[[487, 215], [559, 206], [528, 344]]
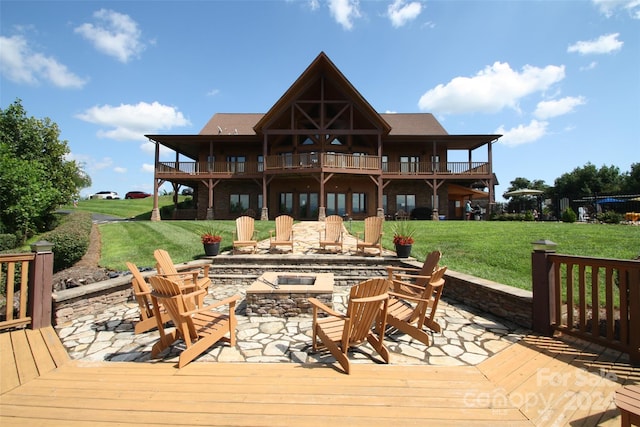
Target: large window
[[308, 205], [359, 203], [405, 202], [236, 163], [336, 203], [238, 203], [286, 203], [409, 164]]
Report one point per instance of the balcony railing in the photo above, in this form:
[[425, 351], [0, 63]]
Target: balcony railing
[[331, 161]]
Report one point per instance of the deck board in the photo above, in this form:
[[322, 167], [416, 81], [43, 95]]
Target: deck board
[[538, 381]]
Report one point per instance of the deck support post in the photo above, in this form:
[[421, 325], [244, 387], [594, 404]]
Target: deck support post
[[544, 303], [41, 285]]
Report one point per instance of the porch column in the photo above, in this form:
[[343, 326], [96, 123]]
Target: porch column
[[322, 209], [264, 214], [210, 209], [155, 212]]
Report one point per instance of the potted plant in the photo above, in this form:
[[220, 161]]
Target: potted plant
[[211, 242], [403, 238]]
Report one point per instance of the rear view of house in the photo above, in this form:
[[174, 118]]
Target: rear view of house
[[323, 150]]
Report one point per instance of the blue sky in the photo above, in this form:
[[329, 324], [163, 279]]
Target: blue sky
[[559, 79]]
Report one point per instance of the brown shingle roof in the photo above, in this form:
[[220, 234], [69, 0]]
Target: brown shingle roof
[[231, 124], [413, 124], [401, 124]]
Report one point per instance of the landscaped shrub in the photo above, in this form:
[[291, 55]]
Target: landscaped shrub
[[70, 239], [8, 241], [568, 215], [609, 217]]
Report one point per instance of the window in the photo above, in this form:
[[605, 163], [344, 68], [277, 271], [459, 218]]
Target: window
[[286, 203], [211, 160], [359, 203], [308, 205], [435, 163], [385, 163], [238, 203], [336, 203], [409, 164], [236, 163], [260, 163], [287, 159], [405, 202]]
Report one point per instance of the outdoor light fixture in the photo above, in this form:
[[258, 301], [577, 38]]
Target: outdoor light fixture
[[544, 245]]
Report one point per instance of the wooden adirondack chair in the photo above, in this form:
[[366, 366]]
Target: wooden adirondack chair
[[187, 278], [142, 293], [198, 326], [245, 234], [332, 233], [372, 234], [283, 233], [408, 314], [412, 280], [367, 304]]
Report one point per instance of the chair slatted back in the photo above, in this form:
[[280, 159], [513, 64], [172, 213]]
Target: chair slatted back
[[164, 262], [244, 228], [333, 228], [430, 265], [169, 294], [365, 301], [373, 229], [284, 228], [141, 291], [430, 296]]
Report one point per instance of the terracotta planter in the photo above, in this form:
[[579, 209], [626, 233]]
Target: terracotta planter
[[403, 251], [211, 249]]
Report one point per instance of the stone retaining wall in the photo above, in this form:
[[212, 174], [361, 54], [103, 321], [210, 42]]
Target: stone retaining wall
[[504, 301]]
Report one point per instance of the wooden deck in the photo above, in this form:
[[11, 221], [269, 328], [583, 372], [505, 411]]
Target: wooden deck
[[539, 381]]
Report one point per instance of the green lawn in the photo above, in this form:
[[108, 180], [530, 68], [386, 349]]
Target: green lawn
[[498, 251]]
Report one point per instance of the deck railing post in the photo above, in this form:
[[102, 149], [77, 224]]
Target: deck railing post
[[543, 281], [41, 285]]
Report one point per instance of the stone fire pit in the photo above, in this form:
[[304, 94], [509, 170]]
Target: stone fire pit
[[286, 294]]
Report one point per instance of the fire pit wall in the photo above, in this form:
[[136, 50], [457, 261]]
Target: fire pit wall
[[287, 294]]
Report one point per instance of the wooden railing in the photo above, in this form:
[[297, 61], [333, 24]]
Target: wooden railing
[[303, 161], [593, 298], [26, 281]]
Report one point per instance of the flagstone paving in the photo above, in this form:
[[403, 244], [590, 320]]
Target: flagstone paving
[[468, 336]]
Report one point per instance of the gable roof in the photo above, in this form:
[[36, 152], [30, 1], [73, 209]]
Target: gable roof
[[231, 124], [322, 65]]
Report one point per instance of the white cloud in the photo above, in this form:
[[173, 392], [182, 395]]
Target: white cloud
[[590, 66], [119, 169], [21, 65], [131, 122], [213, 92], [114, 34], [146, 167], [609, 7], [345, 11], [604, 44], [490, 90], [522, 134], [558, 107], [399, 12]]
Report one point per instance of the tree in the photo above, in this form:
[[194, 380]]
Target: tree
[[517, 203], [631, 180], [35, 175], [589, 181]]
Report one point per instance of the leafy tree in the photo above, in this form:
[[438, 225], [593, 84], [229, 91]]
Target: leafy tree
[[631, 180], [35, 174], [517, 203], [589, 181]]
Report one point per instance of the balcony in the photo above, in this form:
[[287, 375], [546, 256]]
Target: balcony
[[316, 162]]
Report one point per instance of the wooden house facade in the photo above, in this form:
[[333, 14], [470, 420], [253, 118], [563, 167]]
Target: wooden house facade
[[322, 150]]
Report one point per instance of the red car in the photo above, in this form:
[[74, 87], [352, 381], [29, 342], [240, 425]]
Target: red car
[[136, 195]]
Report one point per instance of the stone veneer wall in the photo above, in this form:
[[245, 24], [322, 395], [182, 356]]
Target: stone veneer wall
[[504, 301]]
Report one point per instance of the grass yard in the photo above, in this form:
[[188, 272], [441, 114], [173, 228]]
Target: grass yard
[[498, 251]]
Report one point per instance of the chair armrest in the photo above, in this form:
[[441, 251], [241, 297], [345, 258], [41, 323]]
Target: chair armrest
[[407, 297], [380, 297], [391, 268], [398, 283], [316, 303], [412, 276], [230, 301]]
